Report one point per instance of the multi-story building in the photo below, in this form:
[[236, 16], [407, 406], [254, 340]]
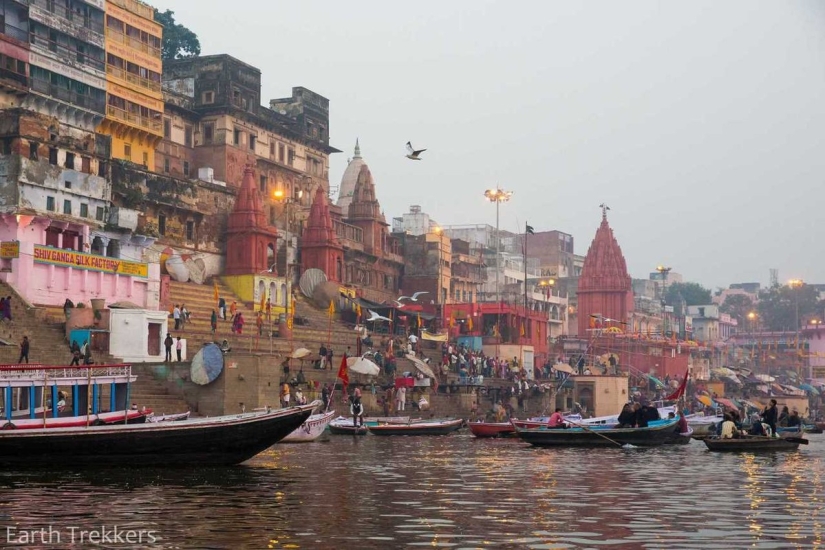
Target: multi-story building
[[554, 251], [134, 103], [415, 222]]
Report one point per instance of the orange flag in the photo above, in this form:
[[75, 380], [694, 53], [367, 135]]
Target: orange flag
[[263, 300], [469, 323], [342, 371], [521, 332]]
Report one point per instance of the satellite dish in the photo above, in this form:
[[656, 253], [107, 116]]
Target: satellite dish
[[207, 365], [310, 281]]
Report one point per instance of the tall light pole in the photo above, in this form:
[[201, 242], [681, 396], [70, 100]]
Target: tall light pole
[[664, 271], [498, 196], [752, 323], [287, 201], [439, 298], [795, 285]]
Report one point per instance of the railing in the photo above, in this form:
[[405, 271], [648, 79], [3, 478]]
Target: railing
[[61, 50], [47, 373], [138, 80], [66, 13], [153, 125], [11, 75], [143, 10], [132, 42], [69, 96], [17, 33]]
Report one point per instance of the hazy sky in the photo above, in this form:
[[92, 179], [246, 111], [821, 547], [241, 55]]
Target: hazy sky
[[701, 123]]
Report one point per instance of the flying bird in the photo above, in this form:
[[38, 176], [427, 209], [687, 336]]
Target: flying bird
[[412, 154], [398, 304], [375, 317], [413, 298]]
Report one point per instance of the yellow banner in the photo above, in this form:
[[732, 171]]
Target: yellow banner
[[79, 260], [10, 249], [434, 337]]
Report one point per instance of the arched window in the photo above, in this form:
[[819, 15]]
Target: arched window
[[261, 291], [273, 293], [283, 294]]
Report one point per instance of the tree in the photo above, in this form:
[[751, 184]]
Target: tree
[[693, 294], [178, 41], [738, 306], [778, 306]]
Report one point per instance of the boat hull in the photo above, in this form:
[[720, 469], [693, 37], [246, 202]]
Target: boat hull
[[660, 434], [418, 428], [311, 429], [492, 429], [132, 417], [752, 443], [343, 425], [216, 441]]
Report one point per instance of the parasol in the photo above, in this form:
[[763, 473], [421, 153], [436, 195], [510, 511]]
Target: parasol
[[563, 367], [705, 400], [300, 353], [206, 365], [421, 366], [362, 365]]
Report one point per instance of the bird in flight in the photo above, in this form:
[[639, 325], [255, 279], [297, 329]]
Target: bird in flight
[[413, 298], [412, 154], [375, 317]]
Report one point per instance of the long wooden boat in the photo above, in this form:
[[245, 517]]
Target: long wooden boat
[[754, 443], [343, 425], [492, 429], [117, 417], [220, 440], [434, 427], [658, 432], [311, 429]]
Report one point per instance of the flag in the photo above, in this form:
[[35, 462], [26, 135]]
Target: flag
[[292, 308], [452, 322], [469, 323], [592, 321], [358, 310], [342, 372], [331, 309], [528, 229], [263, 300], [217, 296], [521, 332], [679, 391], [538, 331]]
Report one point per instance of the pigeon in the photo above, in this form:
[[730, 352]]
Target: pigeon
[[375, 317], [413, 298], [412, 154]]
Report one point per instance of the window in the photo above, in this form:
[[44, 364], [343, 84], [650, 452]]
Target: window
[[190, 231], [67, 184], [67, 207], [187, 135], [101, 168], [236, 97], [252, 140], [52, 155], [86, 165], [84, 210], [50, 204], [70, 161], [263, 184], [167, 128], [33, 150], [99, 214], [145, 159], [7, 145], [166, 165], [272, 149], [281, 152], [127, 151], [186, 168], [208, 132], [236, 137], [208, 97], [162, 224], [290, 156]]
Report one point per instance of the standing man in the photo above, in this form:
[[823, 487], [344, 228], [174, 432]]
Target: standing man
[[24, 350], [400, 398], [769, 415], [179, 349], [176, 316], [168, 344], [222, 308]]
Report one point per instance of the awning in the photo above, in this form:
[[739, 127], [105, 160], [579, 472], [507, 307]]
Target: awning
[[705, 400], [726, 402], [433, 337]]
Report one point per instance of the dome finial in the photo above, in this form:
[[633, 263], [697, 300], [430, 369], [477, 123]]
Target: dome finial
[[357, 154]]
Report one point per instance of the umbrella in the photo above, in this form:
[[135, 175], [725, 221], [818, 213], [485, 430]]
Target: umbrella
[[421, 366], [705, 400], [723, 371], [765, 377], [206, 365], [300, 353], [563, 367], [734, 379], [655, 380], [810, 389], [363, 366]]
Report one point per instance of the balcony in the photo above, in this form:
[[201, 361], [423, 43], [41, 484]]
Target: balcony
[[65, 19], [69, 96], [13, 77], [137, 80], [117, 36], [143, 10], [151, 124], [67, 55], [15, 32]]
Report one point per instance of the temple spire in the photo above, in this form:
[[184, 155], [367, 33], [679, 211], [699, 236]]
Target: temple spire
[[604, 208], [357, 154]]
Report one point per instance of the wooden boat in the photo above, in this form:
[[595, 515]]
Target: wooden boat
[[215, 441], [311, 429], [754, 443], [492, 429], [658, 432], [117, 417], [433, 427], [683, 438], [343, 425], [168, 417]]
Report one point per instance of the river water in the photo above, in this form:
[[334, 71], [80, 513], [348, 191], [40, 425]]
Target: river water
[[450, 492]]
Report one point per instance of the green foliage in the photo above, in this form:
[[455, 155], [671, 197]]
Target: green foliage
[[738, 306], [178, 41], [694, 294], [778, 306]]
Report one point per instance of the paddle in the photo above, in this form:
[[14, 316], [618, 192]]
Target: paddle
[[801, 440], [595, 432]]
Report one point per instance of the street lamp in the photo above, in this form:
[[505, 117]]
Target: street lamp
[[663, 271], [439, 298], [752, 322], [795, 285], [280, 196], [498, 196]]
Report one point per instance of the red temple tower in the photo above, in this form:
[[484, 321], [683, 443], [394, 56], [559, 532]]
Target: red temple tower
[[605, 287], [365, 212], [320, 248], [250, 240]]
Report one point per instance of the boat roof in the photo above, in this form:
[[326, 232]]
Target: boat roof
[[18, 376]]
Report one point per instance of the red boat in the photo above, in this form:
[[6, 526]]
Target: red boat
[[492, 429]]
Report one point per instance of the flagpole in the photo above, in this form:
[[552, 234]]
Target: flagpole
[[331, 312]]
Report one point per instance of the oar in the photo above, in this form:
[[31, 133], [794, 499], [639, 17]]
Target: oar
[[595, 432]]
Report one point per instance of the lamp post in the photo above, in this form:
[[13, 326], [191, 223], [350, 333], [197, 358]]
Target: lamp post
[[795, 285], [663, 271], [287, 201], [498, 196], [752, 323], [439, 298]]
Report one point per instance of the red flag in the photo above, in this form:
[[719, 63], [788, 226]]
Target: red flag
[[342, 372], [679, 391]]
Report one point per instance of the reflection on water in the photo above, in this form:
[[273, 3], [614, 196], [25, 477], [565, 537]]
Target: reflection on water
[[452, 492]]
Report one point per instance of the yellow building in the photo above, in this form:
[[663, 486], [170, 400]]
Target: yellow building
[[134, 102]]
